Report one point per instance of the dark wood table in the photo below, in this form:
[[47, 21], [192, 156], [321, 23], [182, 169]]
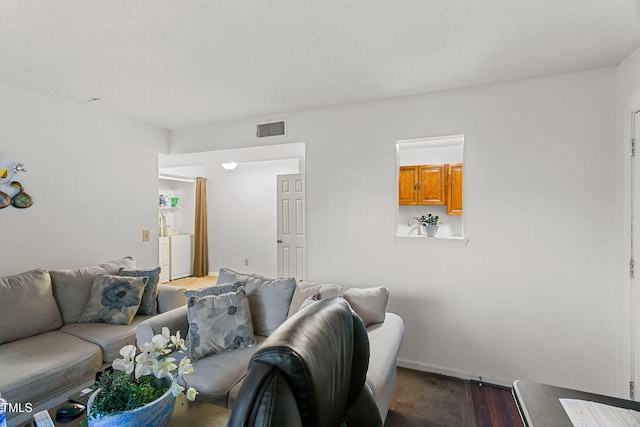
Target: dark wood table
[[539, 404], [192, 414]]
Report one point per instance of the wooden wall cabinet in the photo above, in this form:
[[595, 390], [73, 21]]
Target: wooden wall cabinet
[[408, 185], [432, 185], [454, 189], [422, 185]]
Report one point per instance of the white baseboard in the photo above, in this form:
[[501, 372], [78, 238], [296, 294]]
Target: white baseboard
[[420, 366]]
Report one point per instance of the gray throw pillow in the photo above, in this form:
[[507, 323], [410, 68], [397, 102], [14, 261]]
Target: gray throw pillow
[[149, 304], [269, 298], [306, 289], [218, 323], [317, 297], [27, 305], [218, 289], [370, 304], [114, 300]]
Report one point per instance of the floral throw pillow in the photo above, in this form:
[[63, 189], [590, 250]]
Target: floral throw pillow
[[219, 322], [114, 300]]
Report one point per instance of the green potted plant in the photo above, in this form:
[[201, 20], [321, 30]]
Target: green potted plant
[[142, 387], [431, 223]]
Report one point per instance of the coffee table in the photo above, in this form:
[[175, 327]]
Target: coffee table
[[192, 414], [539, 404]]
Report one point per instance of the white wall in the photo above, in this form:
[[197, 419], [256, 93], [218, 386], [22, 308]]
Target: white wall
[[628, 97], [242, 212], [535, 293], [430, 156], [93, 178]]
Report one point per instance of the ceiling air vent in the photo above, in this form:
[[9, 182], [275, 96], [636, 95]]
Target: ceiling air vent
[[270, 129]]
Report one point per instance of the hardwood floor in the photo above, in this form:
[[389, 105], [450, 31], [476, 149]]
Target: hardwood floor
[[494, 406], [433, 400], [194, 282]]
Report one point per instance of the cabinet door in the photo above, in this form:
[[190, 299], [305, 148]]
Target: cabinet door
[[454, 199], [407, 187], [432, 185], [163, 252], [181, 256]]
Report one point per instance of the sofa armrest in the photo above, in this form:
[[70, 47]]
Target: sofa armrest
[[170, 297], [385, 340], [175, 320]]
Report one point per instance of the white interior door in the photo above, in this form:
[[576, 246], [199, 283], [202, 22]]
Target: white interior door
[[291, 226]]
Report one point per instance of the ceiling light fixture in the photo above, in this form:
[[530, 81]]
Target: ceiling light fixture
[[230, 166]]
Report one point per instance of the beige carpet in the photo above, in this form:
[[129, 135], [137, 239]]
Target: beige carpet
[[431, 400]]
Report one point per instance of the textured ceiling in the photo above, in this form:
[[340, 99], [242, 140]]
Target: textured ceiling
[[179, 63]]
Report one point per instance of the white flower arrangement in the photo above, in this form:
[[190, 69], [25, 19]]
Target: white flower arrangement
[[141, 378]]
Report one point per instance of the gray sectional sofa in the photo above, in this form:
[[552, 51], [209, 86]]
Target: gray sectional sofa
[[218, 376], [44, 351]]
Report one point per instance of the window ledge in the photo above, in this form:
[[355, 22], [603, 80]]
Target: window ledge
[[449, 242]]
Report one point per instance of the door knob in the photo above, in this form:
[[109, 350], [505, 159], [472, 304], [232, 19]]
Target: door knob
[[279, 241]]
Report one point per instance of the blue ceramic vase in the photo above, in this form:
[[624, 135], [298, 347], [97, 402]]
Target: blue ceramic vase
[[154, 414]]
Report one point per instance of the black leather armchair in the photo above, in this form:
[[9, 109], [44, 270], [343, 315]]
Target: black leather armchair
[[310, 372]]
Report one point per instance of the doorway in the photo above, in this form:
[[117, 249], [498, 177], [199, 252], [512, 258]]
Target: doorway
[[241, 202]]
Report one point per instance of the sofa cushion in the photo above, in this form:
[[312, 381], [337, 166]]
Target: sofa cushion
[[114, 299], [306, 289], [170, 297], [27, 305], [35, 369], [218, 323], [111, 338], [269, 298], [149, 304], [310, 300], [216, 375], [369, 303], [71, 288]]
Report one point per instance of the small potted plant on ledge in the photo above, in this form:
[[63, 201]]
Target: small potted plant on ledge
[[431, 224], [142, 388]]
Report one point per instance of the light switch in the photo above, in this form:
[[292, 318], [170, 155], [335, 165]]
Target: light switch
[[145, 235]]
